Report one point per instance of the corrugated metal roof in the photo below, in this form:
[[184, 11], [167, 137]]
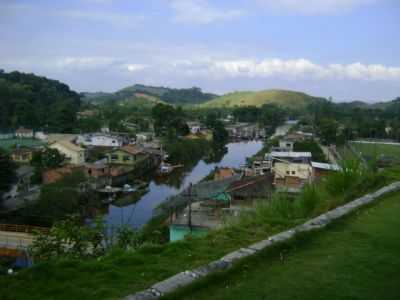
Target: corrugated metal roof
[[325, 166], [290, 154]]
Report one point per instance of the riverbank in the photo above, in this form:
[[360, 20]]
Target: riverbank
[[138, 214]]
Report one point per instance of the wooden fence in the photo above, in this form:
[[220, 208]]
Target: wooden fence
[[23, 228]]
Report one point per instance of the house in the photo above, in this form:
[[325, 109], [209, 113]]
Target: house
[[99, 140], [99, 173], [323, 169], [196, 220], [40, 135], [286, 144], [22, 155], [259, 167], [299, 157], [74, 154], [222, 173], [291, 175], [24, 133], [246, 189], [144, 137], [127, 155], [194, 127]]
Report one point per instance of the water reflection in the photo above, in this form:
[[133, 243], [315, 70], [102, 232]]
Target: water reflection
[[138, 214]]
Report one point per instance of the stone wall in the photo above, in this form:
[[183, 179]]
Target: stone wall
[[187, 277]]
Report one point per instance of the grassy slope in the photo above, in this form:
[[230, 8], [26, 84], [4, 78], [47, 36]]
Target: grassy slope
[[356, 258], [373, 150], [280, 97], [122, 273]]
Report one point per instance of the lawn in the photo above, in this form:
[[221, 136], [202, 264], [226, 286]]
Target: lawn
[[8, 144], [377, 150], [355, 258]]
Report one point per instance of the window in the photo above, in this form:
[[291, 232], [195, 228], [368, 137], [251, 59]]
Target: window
[[287, 145], [126, 158], [288, 172], [293, 172], [114, 157]]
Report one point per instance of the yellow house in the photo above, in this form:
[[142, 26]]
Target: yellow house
[[73, 153], [291, 175], [22, 155]]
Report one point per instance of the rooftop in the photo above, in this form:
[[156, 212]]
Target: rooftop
[[290, 154], [325, 166]]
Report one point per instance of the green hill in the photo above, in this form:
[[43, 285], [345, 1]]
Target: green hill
[[188, 96], [36, 102], [248, 98]]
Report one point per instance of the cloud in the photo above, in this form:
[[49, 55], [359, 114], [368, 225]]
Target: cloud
[[313, 7], [286, 69], [111, 18], [135, 67], [84, 62], [200, 12]]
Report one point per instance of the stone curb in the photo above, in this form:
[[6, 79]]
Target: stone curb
[[185, 278]]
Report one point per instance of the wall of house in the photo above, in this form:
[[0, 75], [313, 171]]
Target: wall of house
[[74, 157]]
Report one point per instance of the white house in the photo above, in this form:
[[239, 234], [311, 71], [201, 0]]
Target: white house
[[24, 133], [73, 153], [100, 140], [40, 135], [194, 127], [289, 156]]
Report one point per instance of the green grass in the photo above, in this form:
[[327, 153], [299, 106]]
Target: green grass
[[283, 98], [121, 273], [376, 150], [8, 144], [356, 258]]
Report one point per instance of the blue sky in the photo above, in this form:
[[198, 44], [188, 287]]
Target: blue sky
[[347, 49]]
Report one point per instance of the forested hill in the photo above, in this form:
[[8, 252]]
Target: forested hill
[[138, 91], [36, 102]]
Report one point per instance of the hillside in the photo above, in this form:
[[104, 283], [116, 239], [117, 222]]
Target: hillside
[[248, 98], [155, 94], [36, 102]]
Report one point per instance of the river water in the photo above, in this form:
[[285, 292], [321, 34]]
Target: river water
[[136, 215]]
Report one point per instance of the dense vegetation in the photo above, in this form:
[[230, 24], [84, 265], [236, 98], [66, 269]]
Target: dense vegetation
[[153, 94], [7, 172], [36, 102]]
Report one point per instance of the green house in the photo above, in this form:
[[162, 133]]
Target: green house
[[127, 155]]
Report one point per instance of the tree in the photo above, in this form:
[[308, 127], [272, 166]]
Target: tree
[[45, 160], [328, 130], [220, 134], [7, 171]]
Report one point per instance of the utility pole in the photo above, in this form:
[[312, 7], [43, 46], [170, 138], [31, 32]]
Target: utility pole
[[190, 207]]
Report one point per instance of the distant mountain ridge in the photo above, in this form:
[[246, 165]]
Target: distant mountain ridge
[[189, 96]]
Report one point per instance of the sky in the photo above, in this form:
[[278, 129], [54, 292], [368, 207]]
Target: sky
[[344, 49]]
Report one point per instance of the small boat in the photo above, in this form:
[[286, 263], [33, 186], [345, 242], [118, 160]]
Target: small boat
[[127, 188], [166, 168]]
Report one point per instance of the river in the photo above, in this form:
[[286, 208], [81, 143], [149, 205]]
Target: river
[[138, 214]]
